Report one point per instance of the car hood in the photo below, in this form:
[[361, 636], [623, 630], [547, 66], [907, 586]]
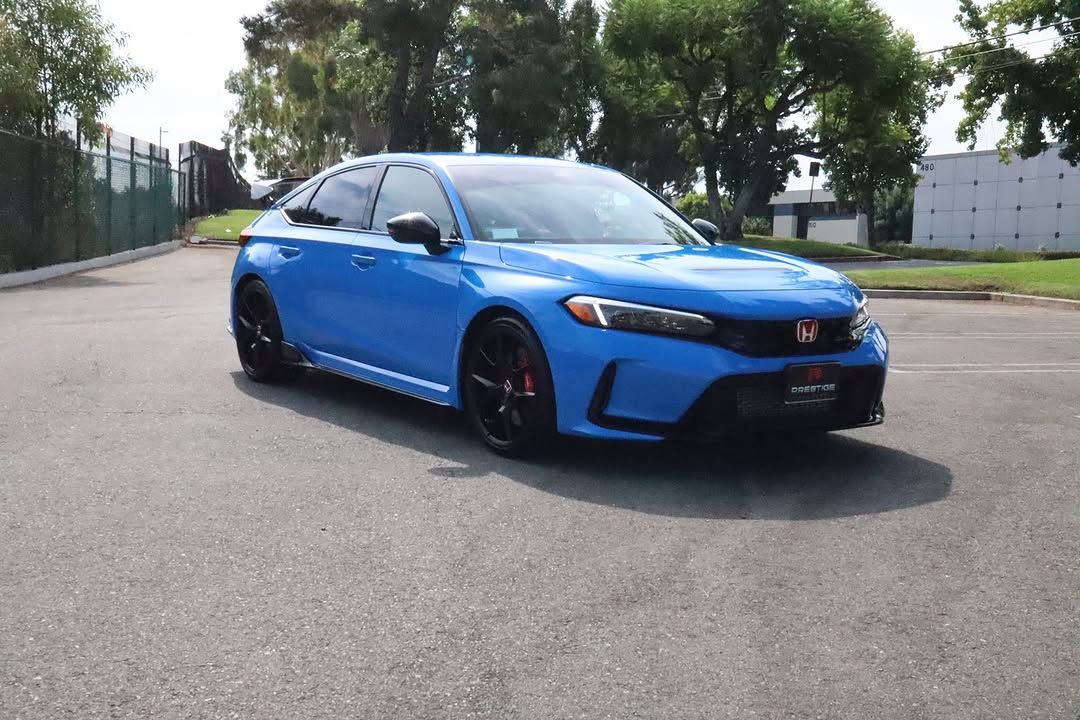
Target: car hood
[[726, 268]]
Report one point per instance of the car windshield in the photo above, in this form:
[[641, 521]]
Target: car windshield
[[526, 203]]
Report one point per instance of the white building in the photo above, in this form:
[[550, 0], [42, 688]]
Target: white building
[[973, 200], [825, 219]]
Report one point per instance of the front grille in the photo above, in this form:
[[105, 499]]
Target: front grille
[[756, 402], [776, 338]]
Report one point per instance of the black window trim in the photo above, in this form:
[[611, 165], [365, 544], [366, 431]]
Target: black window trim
[[365, 218], [369, 218]]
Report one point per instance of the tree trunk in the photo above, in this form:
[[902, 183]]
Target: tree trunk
[[732, 226], [396, 102], [712, 188]]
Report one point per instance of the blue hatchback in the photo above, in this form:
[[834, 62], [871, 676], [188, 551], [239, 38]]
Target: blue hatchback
[[543, 296]]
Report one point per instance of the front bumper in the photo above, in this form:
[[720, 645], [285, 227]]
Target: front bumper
[[622, 385]]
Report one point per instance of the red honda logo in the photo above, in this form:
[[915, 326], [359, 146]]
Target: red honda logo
[[806, 331], [815, 375]]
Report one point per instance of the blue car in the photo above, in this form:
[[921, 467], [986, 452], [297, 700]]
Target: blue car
[[542, 297]]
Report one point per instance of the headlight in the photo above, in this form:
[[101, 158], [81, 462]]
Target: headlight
[[861, 321], [639, 318]]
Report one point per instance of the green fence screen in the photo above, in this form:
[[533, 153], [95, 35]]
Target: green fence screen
[[59, 204]]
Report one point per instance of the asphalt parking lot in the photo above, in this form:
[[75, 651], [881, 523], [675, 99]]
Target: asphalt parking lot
[[177, 542]]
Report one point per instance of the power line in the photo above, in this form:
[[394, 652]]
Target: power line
[[947, 48], [1012, 47]]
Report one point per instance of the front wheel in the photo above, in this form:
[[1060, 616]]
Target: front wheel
[[508, 392], [258, 335]]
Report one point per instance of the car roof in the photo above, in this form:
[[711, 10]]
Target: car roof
[[449, 159]]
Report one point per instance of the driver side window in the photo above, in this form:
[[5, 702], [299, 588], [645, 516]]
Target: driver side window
[[409, 189]]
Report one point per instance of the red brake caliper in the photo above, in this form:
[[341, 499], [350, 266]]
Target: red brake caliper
[[527, 376]]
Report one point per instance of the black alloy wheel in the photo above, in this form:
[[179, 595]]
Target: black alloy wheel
[[258, 335], [509, 397]]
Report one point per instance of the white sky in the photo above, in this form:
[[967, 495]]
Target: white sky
[[191, 45]]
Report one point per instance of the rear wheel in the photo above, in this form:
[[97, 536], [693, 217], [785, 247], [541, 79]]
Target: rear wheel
[[509, 396], [258, 335]]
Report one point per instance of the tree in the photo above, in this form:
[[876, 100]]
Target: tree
[[640, 131], [19, 99], [300, 105], [534, 76], [69, 48], [328, 78], [412, 35], [893, 215], [758, 82], [514, 45], [1039, 97]]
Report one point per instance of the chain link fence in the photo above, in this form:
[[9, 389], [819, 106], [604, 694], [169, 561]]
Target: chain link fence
[[61, 204]]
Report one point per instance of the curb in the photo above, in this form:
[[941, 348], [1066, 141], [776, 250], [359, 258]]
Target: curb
[[213, 245], [1007, 298], [855, 259], [29, 277]]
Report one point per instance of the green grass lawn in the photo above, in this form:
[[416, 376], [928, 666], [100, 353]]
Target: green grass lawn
[[803, 248], [1051, 278], [227, 226]]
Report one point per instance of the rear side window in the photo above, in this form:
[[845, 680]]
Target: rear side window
[[342, 199], [296, 207], [409, 189]]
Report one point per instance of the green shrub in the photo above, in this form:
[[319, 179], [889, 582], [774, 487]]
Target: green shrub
[[695, 205], [756, 226]]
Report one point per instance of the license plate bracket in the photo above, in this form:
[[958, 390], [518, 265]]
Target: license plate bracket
[[811, 382]]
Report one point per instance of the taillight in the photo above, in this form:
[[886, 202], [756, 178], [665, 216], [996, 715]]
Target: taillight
[[245, 235]]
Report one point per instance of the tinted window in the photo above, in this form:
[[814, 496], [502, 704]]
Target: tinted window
[[566, 203], [341, 200], [407, 189], [296, 207]]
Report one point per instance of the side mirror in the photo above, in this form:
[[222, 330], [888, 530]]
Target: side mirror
[[709, 231], [416, 228]]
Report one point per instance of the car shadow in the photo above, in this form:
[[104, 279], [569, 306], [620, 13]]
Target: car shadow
[[807, 477]]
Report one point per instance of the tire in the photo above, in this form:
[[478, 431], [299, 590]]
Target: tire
[[508, 392], [258, 335]]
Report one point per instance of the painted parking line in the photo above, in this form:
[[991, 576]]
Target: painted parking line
[[983, 368], [1008, 371], [981, 365], [984, 335]]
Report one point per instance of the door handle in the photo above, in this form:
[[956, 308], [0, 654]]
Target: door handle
[[288, 252], [363, 261]]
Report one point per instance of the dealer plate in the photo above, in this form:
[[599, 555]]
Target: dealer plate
[[811, 383]]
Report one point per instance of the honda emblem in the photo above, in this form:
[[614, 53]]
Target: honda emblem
[[806, 331]]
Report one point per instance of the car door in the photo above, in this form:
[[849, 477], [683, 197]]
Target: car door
[[409, 300], [316, 266]]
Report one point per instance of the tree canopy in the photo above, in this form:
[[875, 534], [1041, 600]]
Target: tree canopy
[[1038, 95], [670, 91], [758, 82], [58, 59]]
